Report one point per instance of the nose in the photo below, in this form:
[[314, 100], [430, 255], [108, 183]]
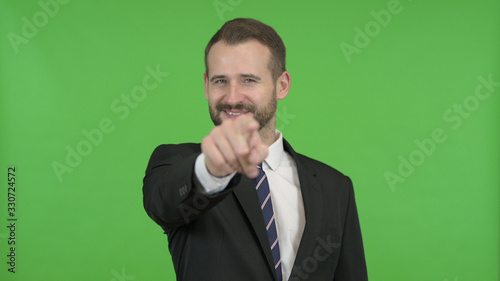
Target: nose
[[234, 95]]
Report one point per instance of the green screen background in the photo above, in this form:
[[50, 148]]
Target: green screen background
[[396, 97]]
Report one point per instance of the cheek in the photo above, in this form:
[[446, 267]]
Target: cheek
[[262, 96], [214, 97]]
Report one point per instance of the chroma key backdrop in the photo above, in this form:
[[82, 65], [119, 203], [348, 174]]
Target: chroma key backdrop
[[402, 96]]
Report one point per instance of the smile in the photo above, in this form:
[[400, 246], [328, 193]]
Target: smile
[[234, 113]]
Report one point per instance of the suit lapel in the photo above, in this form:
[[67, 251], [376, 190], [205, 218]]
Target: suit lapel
[[313, 208], [249, 201]]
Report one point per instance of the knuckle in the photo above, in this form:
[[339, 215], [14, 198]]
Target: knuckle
[[231, 158], [218, 162], [205, 144], [205, 140], [241, 151], [215, 130]]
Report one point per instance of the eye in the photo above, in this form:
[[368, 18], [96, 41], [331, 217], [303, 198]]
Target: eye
[[249, 80], [220, 81]]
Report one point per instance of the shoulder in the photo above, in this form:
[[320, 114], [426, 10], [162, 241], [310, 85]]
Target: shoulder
[[319, 167], [182, 149], [323, 172], [167, 154], [332, 182]]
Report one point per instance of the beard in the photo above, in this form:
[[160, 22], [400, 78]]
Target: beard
[[263, 114]]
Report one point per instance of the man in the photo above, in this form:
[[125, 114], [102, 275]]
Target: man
[[244, 205]]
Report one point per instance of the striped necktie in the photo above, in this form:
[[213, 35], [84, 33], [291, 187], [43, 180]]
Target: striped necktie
[[266, 204]]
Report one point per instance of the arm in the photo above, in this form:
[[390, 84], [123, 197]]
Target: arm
[[351, 264], [172, 194]]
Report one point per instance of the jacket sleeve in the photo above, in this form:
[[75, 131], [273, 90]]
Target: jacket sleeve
[[351, 264], [171, 192]]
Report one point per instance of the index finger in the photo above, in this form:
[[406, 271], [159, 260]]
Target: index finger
[[239, 133], [247, 125]]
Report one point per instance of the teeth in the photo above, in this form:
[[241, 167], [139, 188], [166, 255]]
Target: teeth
[[233, 113]]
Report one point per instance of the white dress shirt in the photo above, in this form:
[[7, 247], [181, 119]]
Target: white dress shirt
[[286, 196]]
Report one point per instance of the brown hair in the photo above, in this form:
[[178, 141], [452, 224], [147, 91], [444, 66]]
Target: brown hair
[[241, 30]]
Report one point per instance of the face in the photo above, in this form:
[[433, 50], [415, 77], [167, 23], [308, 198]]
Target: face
[[240, 82]]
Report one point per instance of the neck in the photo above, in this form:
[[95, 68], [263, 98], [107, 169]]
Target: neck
[[268, 135]]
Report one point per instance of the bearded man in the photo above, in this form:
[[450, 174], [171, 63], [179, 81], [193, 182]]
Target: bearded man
[[244, 205]]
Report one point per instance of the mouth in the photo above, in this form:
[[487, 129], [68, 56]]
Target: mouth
[[233, 113]]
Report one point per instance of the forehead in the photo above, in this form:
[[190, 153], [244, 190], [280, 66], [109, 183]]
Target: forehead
[[249, 56]]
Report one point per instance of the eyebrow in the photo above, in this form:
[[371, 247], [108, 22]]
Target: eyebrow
[[216, 77], [250, 75], [245, 75]]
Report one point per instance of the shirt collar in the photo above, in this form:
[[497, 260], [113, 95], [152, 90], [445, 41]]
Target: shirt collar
[[276, 152]]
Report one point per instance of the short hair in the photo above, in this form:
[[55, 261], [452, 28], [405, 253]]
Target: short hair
[[241, 30]]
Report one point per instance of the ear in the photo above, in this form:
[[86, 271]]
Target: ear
[[283, 85], [205, 78]]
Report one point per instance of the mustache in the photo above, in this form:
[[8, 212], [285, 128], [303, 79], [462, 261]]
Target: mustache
[[240, 106]]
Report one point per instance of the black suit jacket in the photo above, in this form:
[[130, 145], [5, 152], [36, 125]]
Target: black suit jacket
[[223, 237]]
